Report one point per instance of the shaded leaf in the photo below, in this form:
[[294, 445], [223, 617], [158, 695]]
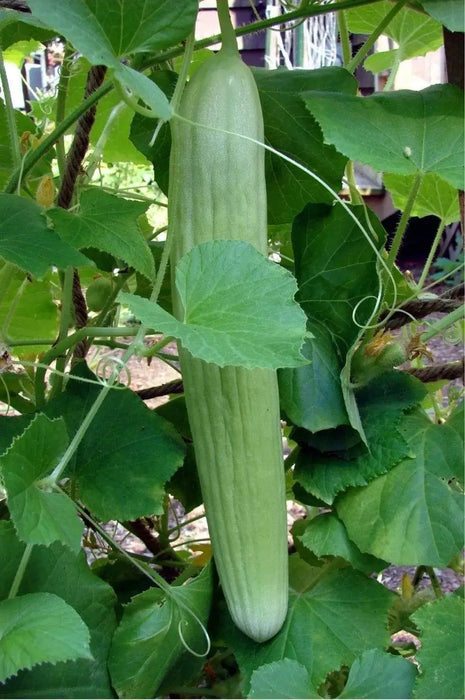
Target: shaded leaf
[[334, 615], [291, 129], [326, 535], [26, 241], [148, 641], [435, 197], [281, 679], [441, 655], [377, 674], [40, 515], [108, 223], [381, 404], [26, 621], [412, 497], [410, 131], [311, 395], [126, 455], [59, 571], [239, 308]]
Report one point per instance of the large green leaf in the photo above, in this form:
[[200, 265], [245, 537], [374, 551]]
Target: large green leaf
[[26, 240], [59, 571], [408, 132], [381, 405], [138, 26], [154, 634], [379, 675], [414, 33], [412, 497], [107, 223], [281, 679], [291, 129], [93, 39], [126, 455], [450, 12], [334, 615], [36, 628], [441, 655], [35, 313], [326, 535], [239, 308], [435, 196], [40, 515]]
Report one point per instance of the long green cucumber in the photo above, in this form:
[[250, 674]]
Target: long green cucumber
[[217, 191]]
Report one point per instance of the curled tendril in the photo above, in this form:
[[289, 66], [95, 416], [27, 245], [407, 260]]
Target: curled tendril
[[199, 655], [111, 370], [454, 334]]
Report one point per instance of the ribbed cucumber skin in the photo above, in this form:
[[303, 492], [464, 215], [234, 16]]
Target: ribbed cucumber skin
[[217, 191]]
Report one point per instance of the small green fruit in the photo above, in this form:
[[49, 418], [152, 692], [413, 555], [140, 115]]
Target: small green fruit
[[97, 293]]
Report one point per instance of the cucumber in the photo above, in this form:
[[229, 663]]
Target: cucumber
[[217, 191]]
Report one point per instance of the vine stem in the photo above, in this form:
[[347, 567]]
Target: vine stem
[[228, 35], [442, 324], [344, 36], [20, 571], [431, 254], [62, 94], [406, 214], [10, 116]]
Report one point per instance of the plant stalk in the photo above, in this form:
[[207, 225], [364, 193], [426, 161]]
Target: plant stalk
[[20, 571], [396, 243], [431, 254]]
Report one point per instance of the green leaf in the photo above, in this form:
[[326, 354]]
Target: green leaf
[[381, 405], [59, 571], [281, 679], [414, 33], [441, 655], [37, 628], [155, 633], [124, 433], [239, 308], [409, 132], [35, 313], [311, 396], [76, 21], [291, 129], [334, 615], [412, 497], [326, 535], [40, 515], [26, 241], [135, 26], [379, 675], [449, 12], [435, 196], [107, 223]]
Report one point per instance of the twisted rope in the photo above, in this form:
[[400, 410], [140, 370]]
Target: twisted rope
[[433, 373], [76, 155], [153, 392], [421, 308]]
